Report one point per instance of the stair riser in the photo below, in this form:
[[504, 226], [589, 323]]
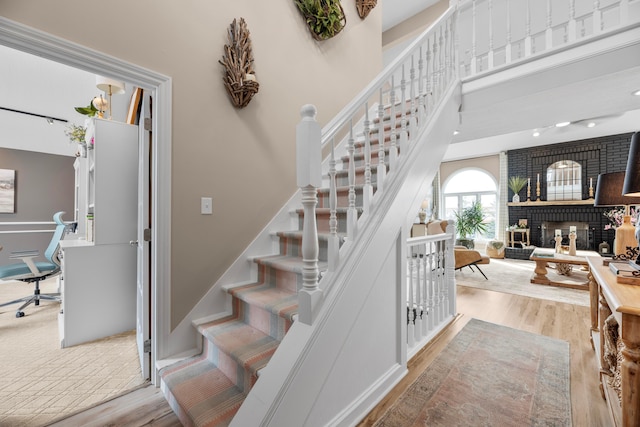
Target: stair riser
[[265, 321], [282, 279]]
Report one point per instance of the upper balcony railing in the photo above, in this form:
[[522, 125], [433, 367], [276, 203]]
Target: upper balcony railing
[[496, 33]]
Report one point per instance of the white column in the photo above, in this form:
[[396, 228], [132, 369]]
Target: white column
[[309, 179]]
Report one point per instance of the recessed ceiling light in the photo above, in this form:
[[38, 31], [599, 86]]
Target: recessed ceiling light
[[637, 93], [455, 132], [591, 124], [562, 124], [536, 133]]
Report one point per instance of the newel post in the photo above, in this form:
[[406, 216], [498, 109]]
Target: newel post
[[309, 177]]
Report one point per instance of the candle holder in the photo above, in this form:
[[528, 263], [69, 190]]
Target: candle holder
[[528, 192], [538, 191]]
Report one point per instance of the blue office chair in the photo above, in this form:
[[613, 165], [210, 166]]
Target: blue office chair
[[30, 271]]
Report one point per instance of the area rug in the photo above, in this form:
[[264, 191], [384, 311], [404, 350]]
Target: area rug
[[514, 277], [490, 375]]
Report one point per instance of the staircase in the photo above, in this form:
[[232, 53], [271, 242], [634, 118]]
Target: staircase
[[208, 389], [314, 374]]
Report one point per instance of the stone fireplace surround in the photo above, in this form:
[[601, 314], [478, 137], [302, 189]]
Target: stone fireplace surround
[[597, 155]]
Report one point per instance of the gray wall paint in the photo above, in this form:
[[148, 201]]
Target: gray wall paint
[[44, 186]]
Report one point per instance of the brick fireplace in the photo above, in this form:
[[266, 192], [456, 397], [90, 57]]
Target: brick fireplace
[[597, 155]]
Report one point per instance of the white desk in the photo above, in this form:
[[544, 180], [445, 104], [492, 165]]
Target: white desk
[[98, 288]]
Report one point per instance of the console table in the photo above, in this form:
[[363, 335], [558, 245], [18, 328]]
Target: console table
[[607, 297], [524, 236]]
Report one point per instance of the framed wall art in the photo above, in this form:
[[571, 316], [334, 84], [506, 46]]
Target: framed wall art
[[7, 191]]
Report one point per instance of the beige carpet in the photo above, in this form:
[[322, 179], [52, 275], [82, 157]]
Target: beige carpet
[[489, 375], [513, 277], [39, 381]]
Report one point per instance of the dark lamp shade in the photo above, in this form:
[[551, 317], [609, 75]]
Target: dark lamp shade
[[609, 191], [631, 185]]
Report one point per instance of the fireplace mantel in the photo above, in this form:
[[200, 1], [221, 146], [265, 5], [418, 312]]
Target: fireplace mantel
[[551, 203]]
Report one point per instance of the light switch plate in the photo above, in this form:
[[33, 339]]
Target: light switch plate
[[206, 205]]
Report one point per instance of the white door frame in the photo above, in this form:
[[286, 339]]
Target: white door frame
[[20, 37]]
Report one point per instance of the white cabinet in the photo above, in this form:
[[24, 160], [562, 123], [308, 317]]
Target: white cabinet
[[98, 282]]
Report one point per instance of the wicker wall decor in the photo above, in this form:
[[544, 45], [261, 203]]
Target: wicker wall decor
[[239, 78], [365, 6], [325, 18]]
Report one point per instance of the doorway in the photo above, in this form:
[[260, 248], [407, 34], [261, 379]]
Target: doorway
[[19, 37]]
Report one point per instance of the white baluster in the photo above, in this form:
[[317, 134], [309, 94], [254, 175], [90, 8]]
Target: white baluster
[[410, 315], [436, 66], [393, 149], [508, 47], [382, 168], [597, 17], [309, 179], [490, 53], [429, 76], [404, 138], [527, 31], [417, 331], [367, 190], [571, 26], [450, 277], [422, 112], [431, 290], [413, 121], [548, 33], [624, 12], [474, 59], [423, 286], [439, 33], [352, 213], [333, 249]]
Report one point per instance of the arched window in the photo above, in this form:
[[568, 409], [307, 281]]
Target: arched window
[[564, 181], [467, 186]]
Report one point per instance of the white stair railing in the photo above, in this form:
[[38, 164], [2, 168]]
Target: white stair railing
[[558, 26], [413, 120], [431, 288]]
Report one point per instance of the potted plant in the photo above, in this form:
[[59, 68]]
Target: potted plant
[[516, 183], [325, 18], [469, 222]]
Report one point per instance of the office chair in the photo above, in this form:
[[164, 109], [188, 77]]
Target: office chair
[[29, 271]]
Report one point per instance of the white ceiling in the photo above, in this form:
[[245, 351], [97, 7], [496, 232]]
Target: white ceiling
[[396, 11]]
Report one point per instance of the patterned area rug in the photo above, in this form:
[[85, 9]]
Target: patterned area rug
[[513, 276], [490, 375]]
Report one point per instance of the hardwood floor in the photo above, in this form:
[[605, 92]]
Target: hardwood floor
[[147, 407]]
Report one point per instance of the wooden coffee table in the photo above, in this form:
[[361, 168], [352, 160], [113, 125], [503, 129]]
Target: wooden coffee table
[[564, 275]]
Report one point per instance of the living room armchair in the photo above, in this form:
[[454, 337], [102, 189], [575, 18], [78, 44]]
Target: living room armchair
[[30, 271], [469, 258]]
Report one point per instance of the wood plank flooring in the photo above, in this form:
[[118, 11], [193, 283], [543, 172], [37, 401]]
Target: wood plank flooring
[[147, 407]]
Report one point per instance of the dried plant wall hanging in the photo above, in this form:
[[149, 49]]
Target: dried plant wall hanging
[[325, 18], [365, 6], [239, 78]]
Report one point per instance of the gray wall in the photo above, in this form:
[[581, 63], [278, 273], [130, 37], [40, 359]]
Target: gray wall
[[44, 185]]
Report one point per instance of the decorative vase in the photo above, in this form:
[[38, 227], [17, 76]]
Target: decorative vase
[[516, 198], [82, 149]]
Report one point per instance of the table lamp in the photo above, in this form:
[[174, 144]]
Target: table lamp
[[110, 87], [609, 193], [631, 186]]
